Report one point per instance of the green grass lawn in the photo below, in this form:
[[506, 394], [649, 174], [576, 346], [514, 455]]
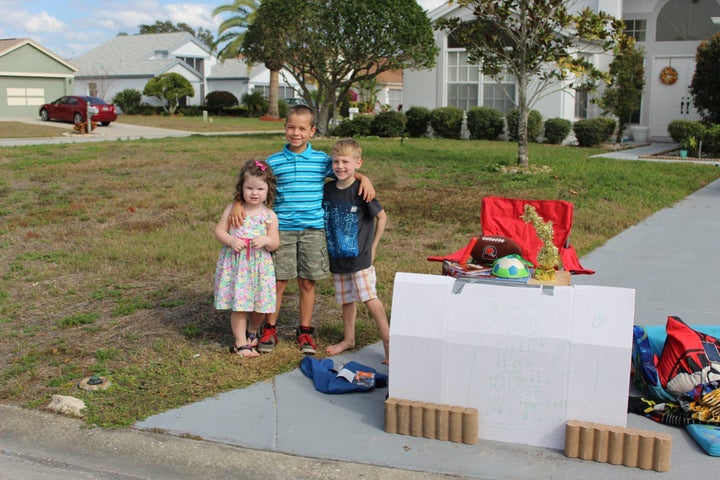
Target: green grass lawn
[[107, 252]]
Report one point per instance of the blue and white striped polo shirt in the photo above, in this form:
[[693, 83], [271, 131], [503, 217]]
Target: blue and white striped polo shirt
[[300, 180]]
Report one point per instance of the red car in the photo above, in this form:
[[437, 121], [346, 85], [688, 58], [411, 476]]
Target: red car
[[74, 109]]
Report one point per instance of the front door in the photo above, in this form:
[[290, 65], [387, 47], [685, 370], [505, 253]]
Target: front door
[[671, 101]]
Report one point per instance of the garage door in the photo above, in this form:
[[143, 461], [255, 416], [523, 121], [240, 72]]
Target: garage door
[[22, 97]]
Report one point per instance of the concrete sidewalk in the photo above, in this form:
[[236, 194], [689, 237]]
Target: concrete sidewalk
[[671, 259]]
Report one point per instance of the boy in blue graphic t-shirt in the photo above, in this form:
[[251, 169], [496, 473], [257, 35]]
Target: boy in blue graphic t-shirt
[[353, 229]]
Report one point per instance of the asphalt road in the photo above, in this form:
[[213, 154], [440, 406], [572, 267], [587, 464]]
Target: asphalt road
[[37, 445]]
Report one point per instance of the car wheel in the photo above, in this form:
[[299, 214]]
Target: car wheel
[[77, 118], [104, 124], [44, 115]]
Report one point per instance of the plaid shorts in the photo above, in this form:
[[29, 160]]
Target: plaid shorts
[[355, 286]]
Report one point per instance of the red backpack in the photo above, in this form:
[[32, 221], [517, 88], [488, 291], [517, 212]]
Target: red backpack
[[689, 358]]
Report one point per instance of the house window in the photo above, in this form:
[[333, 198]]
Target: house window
[[195, 62], [395, 98], [93, 89], [499, 94], [582, 100], [463, 81], [687, 20], [636, 29], [283, 92]]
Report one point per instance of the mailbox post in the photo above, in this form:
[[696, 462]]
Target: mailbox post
[[91, 110]]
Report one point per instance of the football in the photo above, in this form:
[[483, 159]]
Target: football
[[490, 248]]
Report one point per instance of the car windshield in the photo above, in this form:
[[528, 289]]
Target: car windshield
[[95, 100]]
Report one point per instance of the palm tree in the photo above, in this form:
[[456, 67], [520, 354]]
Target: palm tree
[[230, 35]]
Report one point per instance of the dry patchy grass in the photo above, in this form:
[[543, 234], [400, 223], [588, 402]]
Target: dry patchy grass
[[197, 124], [107, 252]]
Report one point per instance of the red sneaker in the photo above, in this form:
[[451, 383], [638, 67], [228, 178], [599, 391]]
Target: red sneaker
[[268, 340], [306, 342]]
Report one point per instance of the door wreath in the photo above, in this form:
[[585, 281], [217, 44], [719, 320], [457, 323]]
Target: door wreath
[[668, 75]]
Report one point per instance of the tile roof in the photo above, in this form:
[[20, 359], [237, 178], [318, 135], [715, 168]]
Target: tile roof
[[9, 44], [131, 55], [229, 69]]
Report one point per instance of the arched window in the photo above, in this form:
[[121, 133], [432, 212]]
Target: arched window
[[687, 20]]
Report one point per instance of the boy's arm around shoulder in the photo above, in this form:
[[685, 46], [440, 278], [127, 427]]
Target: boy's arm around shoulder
[[237, 214], [366, 190]]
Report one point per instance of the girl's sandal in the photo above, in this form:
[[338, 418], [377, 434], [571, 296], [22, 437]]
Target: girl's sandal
[[246, 351], [254, 338]]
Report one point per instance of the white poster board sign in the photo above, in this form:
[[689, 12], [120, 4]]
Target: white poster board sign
[[528, 358]]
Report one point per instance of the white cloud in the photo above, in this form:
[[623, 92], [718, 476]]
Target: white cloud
[[194, 14], [430, 4], [33, 23]]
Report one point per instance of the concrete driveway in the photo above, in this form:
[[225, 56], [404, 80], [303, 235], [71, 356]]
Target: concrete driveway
[[114, 131]]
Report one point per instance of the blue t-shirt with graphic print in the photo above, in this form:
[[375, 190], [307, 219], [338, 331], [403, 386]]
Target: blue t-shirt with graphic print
[[349, 227]]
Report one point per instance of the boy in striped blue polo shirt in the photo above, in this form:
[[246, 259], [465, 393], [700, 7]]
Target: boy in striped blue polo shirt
[[301, 172]]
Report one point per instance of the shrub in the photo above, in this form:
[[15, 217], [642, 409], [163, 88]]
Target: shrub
[[681, 130], [236, 111], [190, 111], [589, 132], [607, 128], [388, 124], [705, 83], [255, 103], [711, 141], [128, 100], [533, 129], [282, 108], [418, 119], [446, 122], [485, 123], [216, 101], [359, 126], [557, 130]]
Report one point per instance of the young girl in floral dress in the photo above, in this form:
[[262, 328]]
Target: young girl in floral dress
[[244, 275]]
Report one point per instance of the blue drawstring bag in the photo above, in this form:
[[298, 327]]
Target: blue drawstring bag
[[353, 377]]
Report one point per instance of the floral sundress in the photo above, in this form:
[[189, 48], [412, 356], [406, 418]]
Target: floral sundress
[[245, 280]]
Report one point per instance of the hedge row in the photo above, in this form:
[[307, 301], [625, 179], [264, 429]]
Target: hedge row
[[483, 123]]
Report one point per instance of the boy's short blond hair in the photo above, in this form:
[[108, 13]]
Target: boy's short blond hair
[[301, 109], [347, 146]]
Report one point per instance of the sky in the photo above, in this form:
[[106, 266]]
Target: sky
[[69, 28]]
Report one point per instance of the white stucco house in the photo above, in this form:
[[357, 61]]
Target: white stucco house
[[130, 61], [668, 30]]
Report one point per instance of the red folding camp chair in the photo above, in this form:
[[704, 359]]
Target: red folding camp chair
[[502, 217]]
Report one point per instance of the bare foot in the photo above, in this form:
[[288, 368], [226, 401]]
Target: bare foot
[[340, 347]]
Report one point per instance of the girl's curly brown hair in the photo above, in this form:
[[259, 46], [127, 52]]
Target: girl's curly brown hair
[[260, 169]]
